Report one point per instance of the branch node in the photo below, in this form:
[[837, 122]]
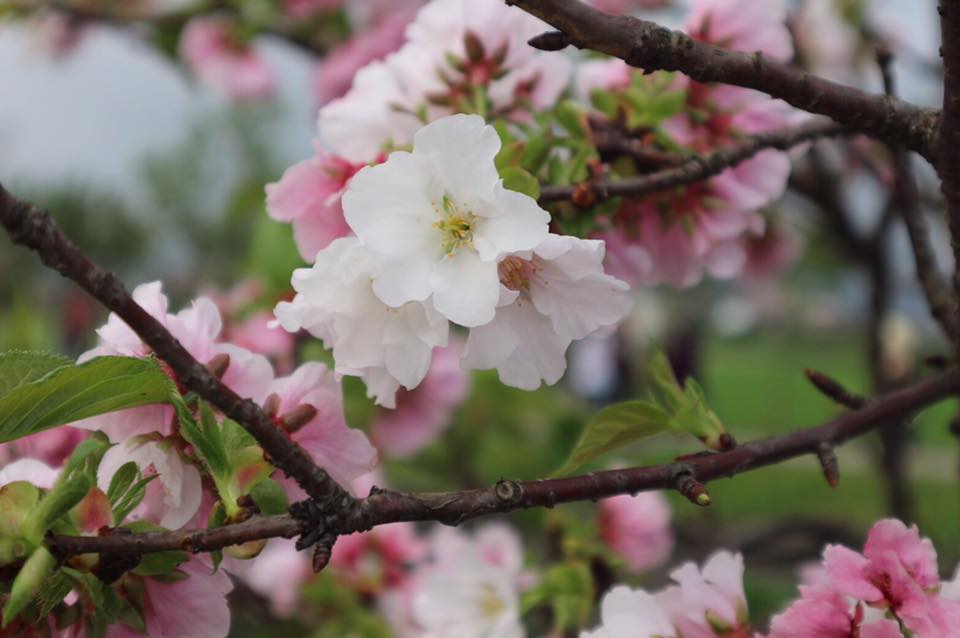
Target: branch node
[[833, 390], [508, 491], [829, 463]]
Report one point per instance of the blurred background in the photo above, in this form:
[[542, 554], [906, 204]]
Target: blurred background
[[157, 177]]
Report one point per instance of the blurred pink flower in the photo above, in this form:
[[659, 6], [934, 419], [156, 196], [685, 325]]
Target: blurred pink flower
[[637, 528], [277, 574], [257, 334], [194, 607], [333, 75], [422, 413], [30, 470], [770, 254], [308, 406], [307, 8], [377, 560], [897, 570], [308, 195], [742, 26], [51, 446], [220, 59]]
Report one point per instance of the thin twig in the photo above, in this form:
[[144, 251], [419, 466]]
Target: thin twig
[[698, 167]]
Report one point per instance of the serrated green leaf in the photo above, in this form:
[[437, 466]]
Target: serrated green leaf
[[21, 367], [517, 179], [269, 497], [52, 593], [73, 392], [121, 481], [235, 437], [615, 427], [131, 499], [28, 582]]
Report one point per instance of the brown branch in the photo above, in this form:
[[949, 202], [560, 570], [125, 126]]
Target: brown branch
[[651, 47], [907, 197], [33, 228], [452, 508], [948, 138], [695, 168]]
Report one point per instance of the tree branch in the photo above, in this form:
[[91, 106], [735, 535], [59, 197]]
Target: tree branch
[[695, 168], [651, 47], [452, 508], [948, 138], [33, 228], [907, 197]]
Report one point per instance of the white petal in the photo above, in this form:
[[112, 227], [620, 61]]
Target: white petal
[[390, 207], [522, 226], [462, 149], [466, 289], [398, 281]]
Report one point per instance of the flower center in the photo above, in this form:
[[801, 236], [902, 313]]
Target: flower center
[[515, 272], [491, 604], [456, 226]]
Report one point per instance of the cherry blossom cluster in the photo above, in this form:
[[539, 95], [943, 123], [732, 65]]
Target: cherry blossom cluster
[[891, 590], [677, 236], [439, 239]]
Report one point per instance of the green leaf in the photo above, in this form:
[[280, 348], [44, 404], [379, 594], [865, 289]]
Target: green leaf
[[73, 392], [615, 427], [568, 589], [218, 516], [20, 367], [269, 497], [28, 582], [121, 481], [687, 405], [517, 179], [571, 117], [131, 498], [204, 437], [160, 563], [55, 504]]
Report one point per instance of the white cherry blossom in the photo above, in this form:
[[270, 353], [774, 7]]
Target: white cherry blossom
[[439, 219], [629, 613], [386, 346], [549, 297]]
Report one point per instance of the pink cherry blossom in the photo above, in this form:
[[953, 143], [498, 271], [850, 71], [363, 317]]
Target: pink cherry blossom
[[897, 570], [334, 74], [307, 404], [197, 328], [308, 195], [422, 413], [708, 601], [50, 446], [770, 254], [221, 60], [637, 529], [257, 333], [826, 613], [194, 607]]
